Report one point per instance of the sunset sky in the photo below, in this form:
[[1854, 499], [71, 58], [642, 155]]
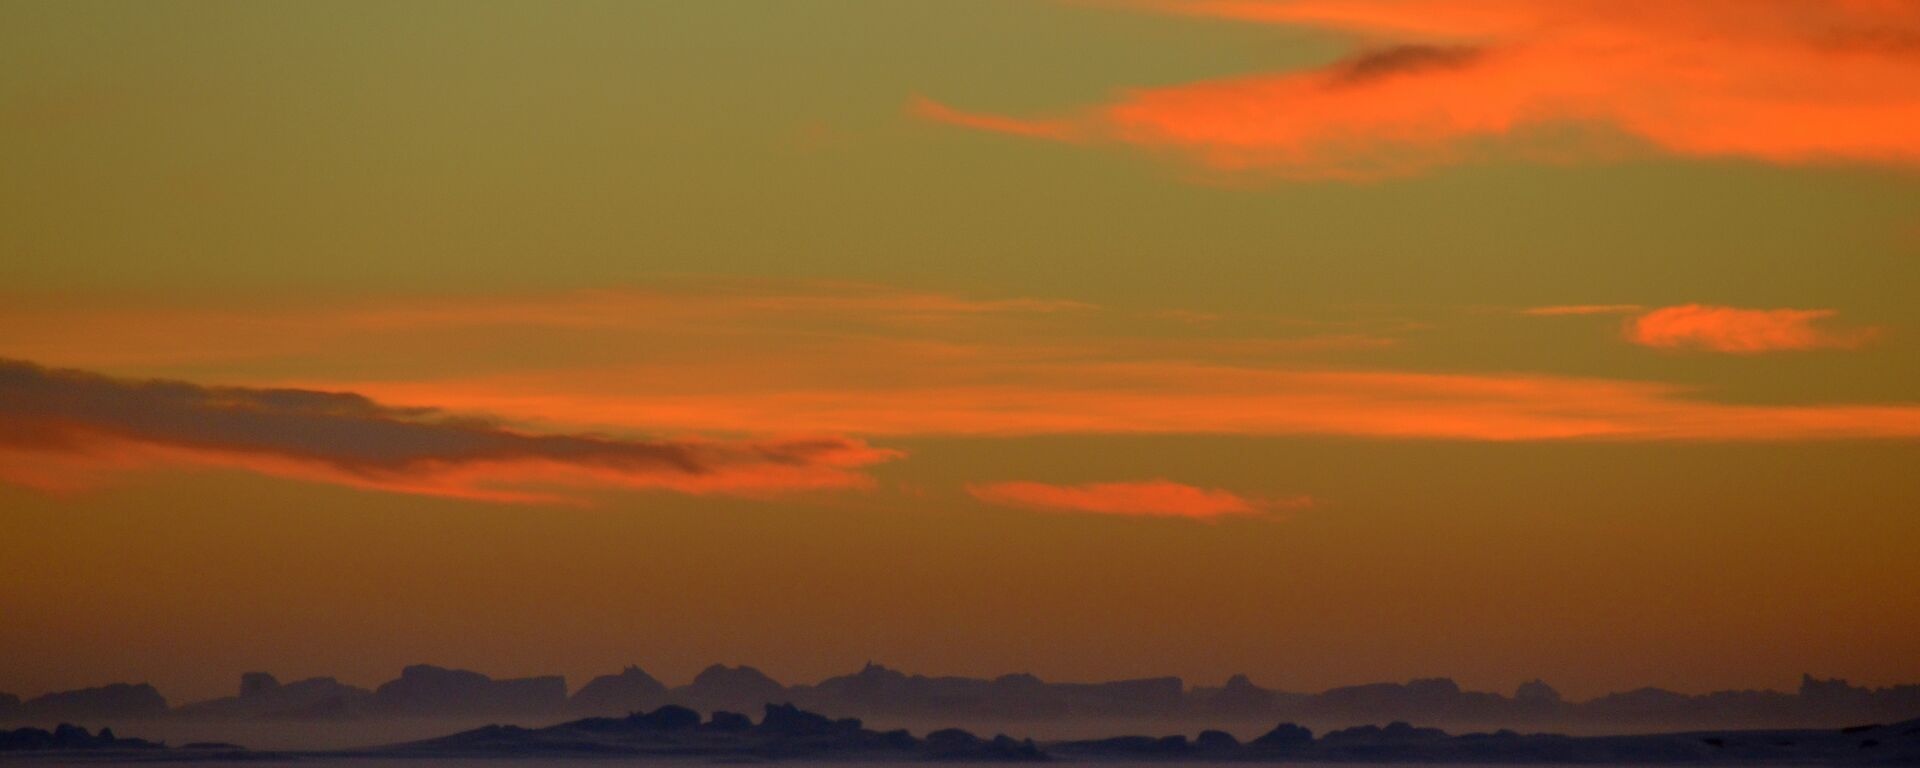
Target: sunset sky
[[1328, 341]]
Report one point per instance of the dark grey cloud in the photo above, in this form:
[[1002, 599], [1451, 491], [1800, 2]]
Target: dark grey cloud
[[66, 410], [1402, 59]]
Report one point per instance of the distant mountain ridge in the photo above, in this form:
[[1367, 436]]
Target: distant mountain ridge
[[784, 731], [787, 732], [876, 691], [116, 701]]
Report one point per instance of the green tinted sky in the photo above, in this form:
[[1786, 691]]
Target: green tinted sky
[[284, 161]]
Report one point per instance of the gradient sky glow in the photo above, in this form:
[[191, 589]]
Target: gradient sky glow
[[1328, 341]]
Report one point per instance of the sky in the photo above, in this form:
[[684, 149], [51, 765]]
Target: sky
[[1325, 341]]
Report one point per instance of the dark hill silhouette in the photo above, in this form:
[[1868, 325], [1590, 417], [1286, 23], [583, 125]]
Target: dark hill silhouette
[[1425, 699], [66, 736], [426, 690], [262, 697], [877, 692], [788, 732], [731, 688], [1284, 736], [1240, 698], [1399, 742], [631, 690], [1536, 693], [119, 701], [1216, 742], [784, 731]]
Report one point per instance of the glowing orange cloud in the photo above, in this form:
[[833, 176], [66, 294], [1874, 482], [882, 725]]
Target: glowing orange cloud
[[1007, 399], [753, 365], [1741, 331], [1152, 498], [63, 430], [1441, 81]]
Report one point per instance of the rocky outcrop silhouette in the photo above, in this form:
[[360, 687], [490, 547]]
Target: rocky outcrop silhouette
[[1653, 703], [1536, 694], [1133, 747], [1816, 700], [119, 701], [1394, 733], [1399, 742], [729, 722], [1239, 698], [630, 690], [1216, 741], [67, 737], [958, 745], [878, 691], [1284, 737], [784, 731], [426, 690], [788, 732], [732, 688], [1428, 699], [263, 697], [254, 683]]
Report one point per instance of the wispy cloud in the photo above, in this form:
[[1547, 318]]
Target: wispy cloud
[[131, 330], [1441, 81], [65, 429], [761, 362], [1150, 498], [1582, 309], [928, 109], [1742, 331], [1010, 398]]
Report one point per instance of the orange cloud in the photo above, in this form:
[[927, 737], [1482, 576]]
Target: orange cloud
[[62, 430], [1741, 331], [1001, 398], [1152, 498], [754, 364], [1442, 81], [128, 330]]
